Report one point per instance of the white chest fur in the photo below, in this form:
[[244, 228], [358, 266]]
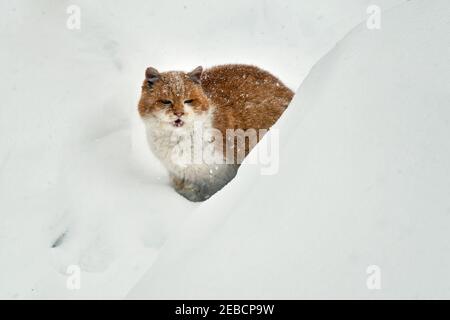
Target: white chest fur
[[189, 152]]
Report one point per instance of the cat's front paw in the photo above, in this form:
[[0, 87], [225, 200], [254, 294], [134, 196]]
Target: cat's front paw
[[190, 191], [193, 193]]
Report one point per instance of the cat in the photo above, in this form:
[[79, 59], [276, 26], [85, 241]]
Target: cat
[[177, 106]]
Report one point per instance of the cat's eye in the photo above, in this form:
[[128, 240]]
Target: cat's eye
[[188, 101], [166, 102]]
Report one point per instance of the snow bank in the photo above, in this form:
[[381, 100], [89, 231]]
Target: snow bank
[[364, 180], [75, 171]]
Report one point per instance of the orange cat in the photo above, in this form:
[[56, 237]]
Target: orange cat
[[188, 115]]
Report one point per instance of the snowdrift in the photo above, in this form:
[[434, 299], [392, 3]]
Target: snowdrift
[[78, 185], [364, 180]]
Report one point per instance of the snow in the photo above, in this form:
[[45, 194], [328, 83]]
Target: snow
[[78, 185], [364, 181]]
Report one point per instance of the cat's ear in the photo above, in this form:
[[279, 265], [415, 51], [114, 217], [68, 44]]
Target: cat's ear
[[151, 76], [196, 74]]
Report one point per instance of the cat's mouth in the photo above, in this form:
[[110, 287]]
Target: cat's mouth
[[178, 123]]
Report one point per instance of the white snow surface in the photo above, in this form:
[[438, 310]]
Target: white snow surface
[[363, 179]]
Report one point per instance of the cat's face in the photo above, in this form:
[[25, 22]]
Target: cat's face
[[173, 99]]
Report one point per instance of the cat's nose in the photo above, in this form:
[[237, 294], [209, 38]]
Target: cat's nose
[[178, 113]]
